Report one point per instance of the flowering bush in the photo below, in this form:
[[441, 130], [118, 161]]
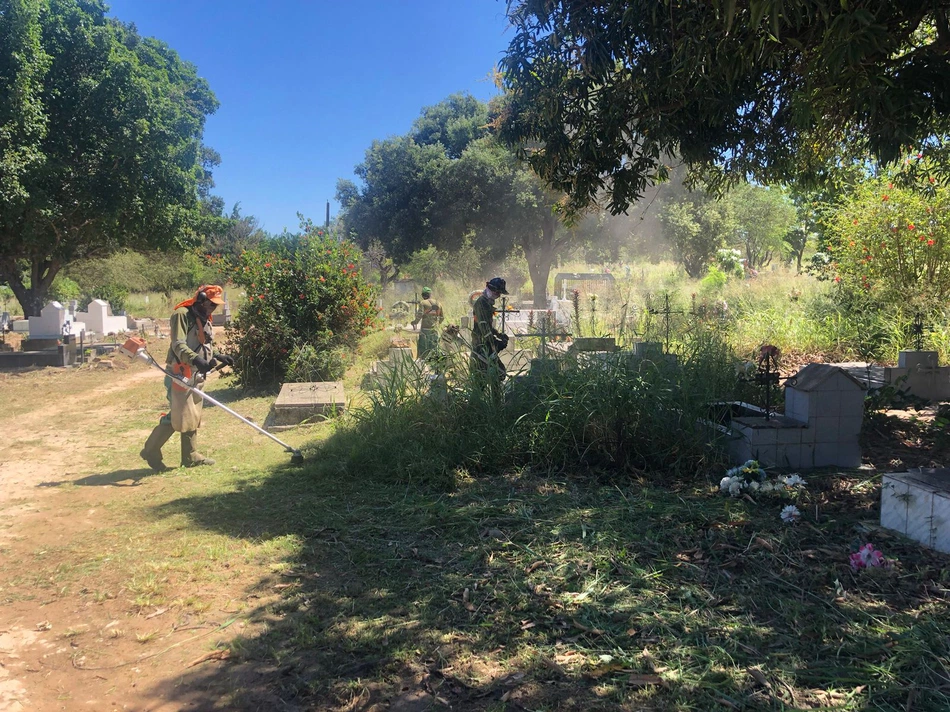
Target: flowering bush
[[890, 241], [307, 304]]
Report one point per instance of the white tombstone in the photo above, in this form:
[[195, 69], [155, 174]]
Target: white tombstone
[[824, 410], [55, 322], [98, 318], [917, 504]]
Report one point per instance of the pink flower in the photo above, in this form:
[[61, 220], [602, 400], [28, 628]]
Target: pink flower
[[867, 557]]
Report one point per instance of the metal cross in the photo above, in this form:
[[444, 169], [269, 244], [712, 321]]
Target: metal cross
[[917, 331], [666, 312]]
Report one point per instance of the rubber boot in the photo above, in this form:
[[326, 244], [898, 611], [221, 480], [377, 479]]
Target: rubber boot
[[190, 457], [152, 452]]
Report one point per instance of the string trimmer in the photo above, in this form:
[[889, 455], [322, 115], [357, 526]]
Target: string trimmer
[[134, 348]]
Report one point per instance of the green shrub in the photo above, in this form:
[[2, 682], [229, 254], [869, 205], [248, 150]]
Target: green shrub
[[615, 415], [63, 289], [307, 304], [714, 280], [889, 241], [115, 294]]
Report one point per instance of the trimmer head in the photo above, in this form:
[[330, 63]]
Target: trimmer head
[[296, 457]]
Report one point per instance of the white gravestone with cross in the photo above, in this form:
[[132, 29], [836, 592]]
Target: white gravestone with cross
[[55, 322]]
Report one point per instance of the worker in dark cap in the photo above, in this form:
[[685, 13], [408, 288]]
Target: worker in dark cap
[[487, 341], [428, 316]]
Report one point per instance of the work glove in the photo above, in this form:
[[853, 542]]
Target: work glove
[[225, 359], [201, 365]]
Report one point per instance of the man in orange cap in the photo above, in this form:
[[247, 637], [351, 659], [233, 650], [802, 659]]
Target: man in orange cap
[[190, 355]]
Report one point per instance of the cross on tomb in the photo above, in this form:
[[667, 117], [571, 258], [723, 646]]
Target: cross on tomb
[[666, 312], [917, 331], [767, 374]]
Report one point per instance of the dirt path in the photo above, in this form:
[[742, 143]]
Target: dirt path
[[68, 649]]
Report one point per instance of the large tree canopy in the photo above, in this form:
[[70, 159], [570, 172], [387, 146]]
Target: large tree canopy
[[447, 183], [600, 91], [100, 141]]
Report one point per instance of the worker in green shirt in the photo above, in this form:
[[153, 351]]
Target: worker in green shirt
[[487, 341], [428, 316], [191, 355]]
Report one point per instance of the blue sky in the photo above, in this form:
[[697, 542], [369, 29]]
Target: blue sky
[[305, 87]]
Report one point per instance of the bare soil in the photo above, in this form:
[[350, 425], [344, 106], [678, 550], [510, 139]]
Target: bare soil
[[63, 648]]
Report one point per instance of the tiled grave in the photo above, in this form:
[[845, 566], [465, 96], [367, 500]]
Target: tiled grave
[[917, 504], [54, 322], [824, 410]]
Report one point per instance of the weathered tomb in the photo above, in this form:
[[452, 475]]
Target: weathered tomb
[[824, 411], [306, 402], [917, 504], [919, 373]]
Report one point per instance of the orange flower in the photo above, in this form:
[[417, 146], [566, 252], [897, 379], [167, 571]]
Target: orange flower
[[910, 226], [886, 197], [930, 243]]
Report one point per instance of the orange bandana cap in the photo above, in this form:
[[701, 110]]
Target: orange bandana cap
[[213, 292]]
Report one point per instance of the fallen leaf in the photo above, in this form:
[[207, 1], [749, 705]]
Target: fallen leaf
[[534, 566], [222, 654], [606, 669], [643, 680], [156, 613], [550, 664], [764, 543], [44, 625], [759, 677]]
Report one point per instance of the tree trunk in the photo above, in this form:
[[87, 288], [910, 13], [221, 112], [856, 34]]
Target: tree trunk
[[33, 298], [540, 256]]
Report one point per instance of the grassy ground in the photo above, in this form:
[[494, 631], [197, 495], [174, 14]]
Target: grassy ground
[[509, 592]]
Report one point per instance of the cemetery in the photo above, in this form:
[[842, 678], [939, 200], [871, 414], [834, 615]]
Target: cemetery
[[620, 381]]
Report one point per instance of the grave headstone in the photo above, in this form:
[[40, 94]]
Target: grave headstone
[[99, 319], [919, 373], [300, 402], [54, 322]]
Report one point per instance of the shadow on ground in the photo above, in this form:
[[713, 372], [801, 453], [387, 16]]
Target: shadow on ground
[[118, 478], [523, 592]]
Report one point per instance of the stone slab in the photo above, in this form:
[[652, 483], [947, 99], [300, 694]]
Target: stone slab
[[298, 402]]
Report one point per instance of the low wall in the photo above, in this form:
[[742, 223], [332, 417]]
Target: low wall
[[32, 359]]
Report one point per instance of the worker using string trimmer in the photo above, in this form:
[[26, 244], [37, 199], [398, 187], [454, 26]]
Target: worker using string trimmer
[[190, 356]]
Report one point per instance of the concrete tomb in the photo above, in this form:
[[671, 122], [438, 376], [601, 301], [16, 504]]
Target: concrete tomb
[[99, 319], [300, 402], [921, 374], [917, 504], [54, 322], [824, 410]]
